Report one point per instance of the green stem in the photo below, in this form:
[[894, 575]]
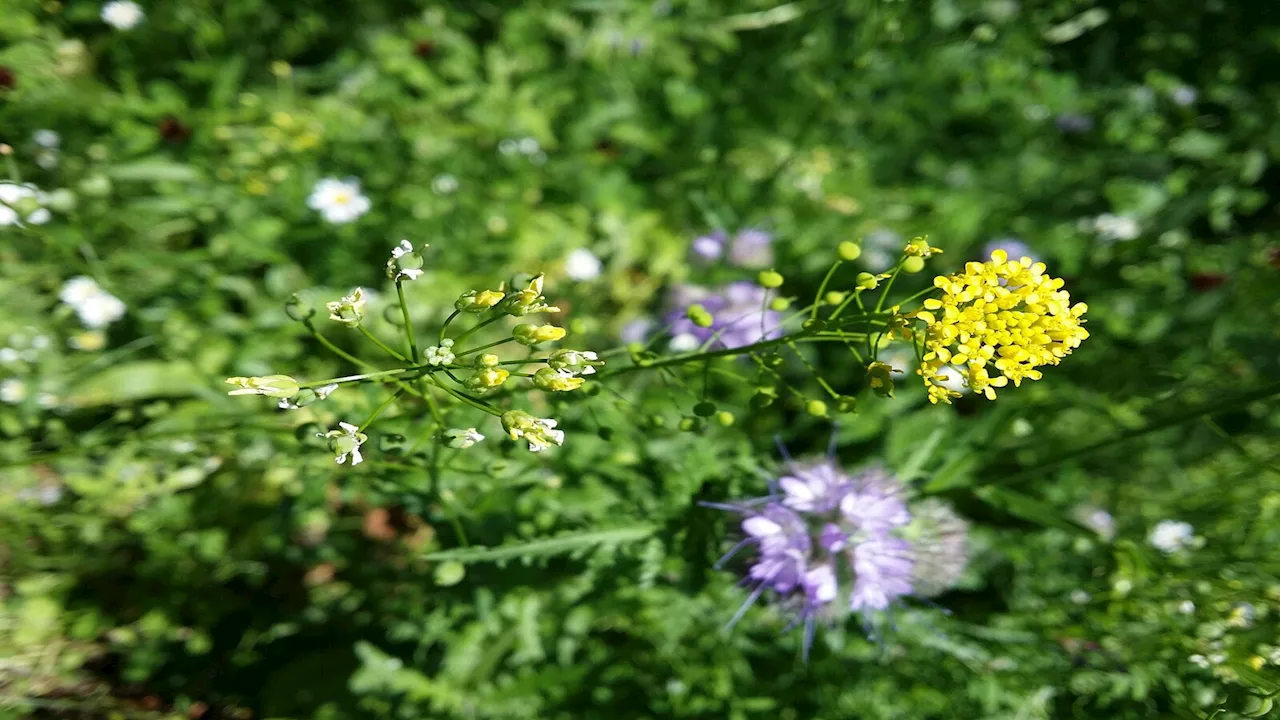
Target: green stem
[[365, 331], [495, 343], [378, 411], [445, 327], [691, 357], [465, 398], [408, 324], [334, 348], [354, 378], [467, 333], [822, 290], [897, 270]]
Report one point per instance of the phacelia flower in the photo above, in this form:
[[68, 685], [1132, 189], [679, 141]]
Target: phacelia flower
[[350, 309], [709, 247], [20, 204], [1170, 536], [556, 380], [740, 316], [536, 334], [339, 201], [575, 362], [462, 439], [1012, 328], [539, 433], [751, 248], [345, 442], [940, 546], [405, 263], [582, 265], [276, 386], [122, 14], [95, 307], [828, 543], [441, 354], [1184, 95]]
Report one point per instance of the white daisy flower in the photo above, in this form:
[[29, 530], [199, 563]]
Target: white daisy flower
[[582, 265], [1170, 536], [339, 201], [22, 204]]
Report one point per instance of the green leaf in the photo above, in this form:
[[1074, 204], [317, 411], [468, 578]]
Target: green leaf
[[1029, 509], [137, 381]]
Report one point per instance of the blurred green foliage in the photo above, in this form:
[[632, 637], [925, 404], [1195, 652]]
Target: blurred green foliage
[[167, 551]]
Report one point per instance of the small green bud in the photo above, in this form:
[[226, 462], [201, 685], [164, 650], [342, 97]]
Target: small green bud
[[298, 310], [657, 421], [780, 304], [725, 418], [913, 264], [867, 281], [699, 316], [450, 573], [774, 361], [769, 279], [704, 409], [763, 399], [486, 360], [692, 424], [846, 404], [96, 186], [814, 325], [849, 251], [816, 408], [834, 297]]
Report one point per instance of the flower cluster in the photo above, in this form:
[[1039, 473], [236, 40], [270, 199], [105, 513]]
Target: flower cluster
[[750, 248], [23, 203], [95, 307], [829, 543], [739, 316], [1002, 314]]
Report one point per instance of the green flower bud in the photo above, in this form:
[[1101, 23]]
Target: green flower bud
[[814, 325], [849, 251], [535, 334], [763, 398], [657, 421], [769, 279], [816, 408], [486, 360], [780, 304], [556, 380], [349, 310], [846, 404], [298, 310], [276, 386], [866, 281], [477, 301], [699, 316], [913, 264], [450, 573], [485, 379], [725, 418], [692, 424], [834, 297]]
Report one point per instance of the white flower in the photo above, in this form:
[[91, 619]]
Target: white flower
[[951, 378], [540, 433], [1116, 227], [582, 265], [339, 201], [684, 342], [304, 397], [405, 262], [444, 184], [46, 138], [96, 307], [345, 443], [508, 147], [1186, 607], [22, 203], [1170, 536], [441, 354], [13, 391], [529, 146], [462, 439], [1079, 597], [1200, 660], [350, 309], [122, 14], [1183, 95], [8, 356]]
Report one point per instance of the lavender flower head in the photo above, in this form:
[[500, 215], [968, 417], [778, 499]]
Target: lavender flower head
[[1015, 248], [740, 316], [827, 543], [749, 248]]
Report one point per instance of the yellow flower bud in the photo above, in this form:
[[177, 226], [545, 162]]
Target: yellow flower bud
[[536, 334]]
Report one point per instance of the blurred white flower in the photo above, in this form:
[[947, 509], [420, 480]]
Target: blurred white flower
[[46, 138], [339, 201], [8, 356], [684, 342], [582, 265], [1183, 95], [96, 307], [13, 391], [1116, 227], [951, 378], [122, 14], [1079, 597], [444, 184], [22, 203], [1170, 536], [529, 146], [1186, 607], [508, 147]]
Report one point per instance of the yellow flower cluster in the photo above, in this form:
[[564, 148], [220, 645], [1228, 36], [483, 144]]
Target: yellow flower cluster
[[1001, 314]]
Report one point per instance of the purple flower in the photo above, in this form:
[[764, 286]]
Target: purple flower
[[751, 248], [708, 248], [740, 317], [829, 544]]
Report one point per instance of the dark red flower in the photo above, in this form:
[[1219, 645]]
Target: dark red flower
[[173, 130], [1206, 281], [8, 80], [424, 49]]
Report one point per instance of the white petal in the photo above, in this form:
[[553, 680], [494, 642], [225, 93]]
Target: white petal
[[796, 489], [761, 526], [356, 458], [351, 429]]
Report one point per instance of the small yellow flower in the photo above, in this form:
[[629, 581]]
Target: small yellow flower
[[485, 379], [920, 247], [1002, 320]]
